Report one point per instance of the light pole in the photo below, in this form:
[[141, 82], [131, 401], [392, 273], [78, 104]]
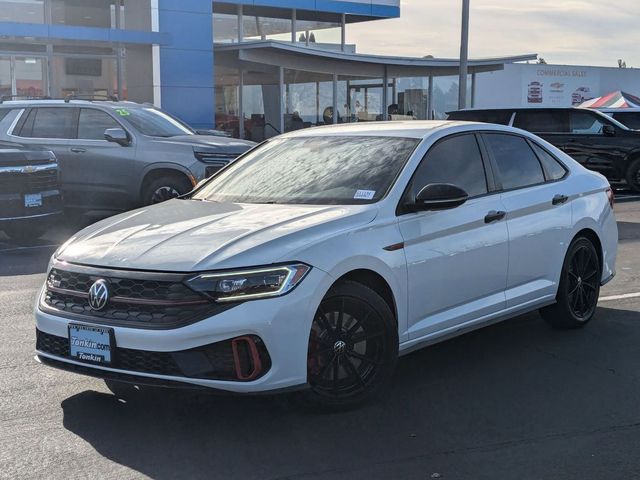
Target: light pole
[[464, 56]]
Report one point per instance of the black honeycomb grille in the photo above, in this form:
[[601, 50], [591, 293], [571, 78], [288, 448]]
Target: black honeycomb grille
[[135, 302]]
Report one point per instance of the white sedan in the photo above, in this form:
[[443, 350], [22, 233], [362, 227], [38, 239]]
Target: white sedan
[[319, 257]]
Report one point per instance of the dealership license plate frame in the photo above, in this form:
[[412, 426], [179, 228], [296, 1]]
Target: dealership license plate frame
[[91, 332], [32, 200]]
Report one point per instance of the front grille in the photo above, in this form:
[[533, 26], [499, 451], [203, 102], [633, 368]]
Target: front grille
[[139, 302], [36, 182], [215, 361]]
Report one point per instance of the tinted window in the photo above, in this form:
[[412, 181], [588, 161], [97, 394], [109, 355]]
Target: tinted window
[[456, 160], [516, 162], [328, 170], [585, 123], [542, 121], [553, 168], [92, 124], [629, 119], [502, 117], [52, 122]]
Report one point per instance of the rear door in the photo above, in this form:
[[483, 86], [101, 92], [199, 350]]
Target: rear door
[[456, 259], [106, 175], [538, 215]]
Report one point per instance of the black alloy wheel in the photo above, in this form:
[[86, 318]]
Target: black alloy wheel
[[633, 176], [165, 188], [353, 346], [579, 287], [164, 193]]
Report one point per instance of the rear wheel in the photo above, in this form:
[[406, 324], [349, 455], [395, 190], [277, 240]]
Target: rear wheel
[[579, 287], [633, 175], [165, 188], [353, 347]]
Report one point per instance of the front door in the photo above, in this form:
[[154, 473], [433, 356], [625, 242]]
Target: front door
[[456, 259]]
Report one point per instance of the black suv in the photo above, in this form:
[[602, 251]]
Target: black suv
[[595, 140], [29, 191]]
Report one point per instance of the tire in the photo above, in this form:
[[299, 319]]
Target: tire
[[579, 287], [24, 233], [353, 348], [633, 175], [165, 188]]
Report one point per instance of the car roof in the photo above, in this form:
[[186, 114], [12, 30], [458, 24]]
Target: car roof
[[418, 129], [73, 102], [619, 110], [520, 108]]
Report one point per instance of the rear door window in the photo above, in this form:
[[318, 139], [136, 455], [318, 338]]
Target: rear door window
[[542, 121], [92, 123], [517, 164], [629, 119], [585, 123], [50, 122]]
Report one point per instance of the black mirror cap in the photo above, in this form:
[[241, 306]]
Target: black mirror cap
[[609, 130], [439, 196], [117, 135]]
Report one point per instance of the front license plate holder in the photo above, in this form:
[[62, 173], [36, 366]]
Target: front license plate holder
[[32, 200], [91, 344]]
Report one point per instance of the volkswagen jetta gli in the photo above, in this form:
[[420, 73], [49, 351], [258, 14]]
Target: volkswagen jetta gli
[[317, 259]]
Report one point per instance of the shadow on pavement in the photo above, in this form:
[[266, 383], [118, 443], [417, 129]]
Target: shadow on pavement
[[516, 383]]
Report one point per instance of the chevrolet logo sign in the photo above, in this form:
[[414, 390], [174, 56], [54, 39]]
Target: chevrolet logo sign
[[29, 169]]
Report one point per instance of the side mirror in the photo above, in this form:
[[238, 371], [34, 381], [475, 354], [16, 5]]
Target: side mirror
[[609, 130], [117, 135], [439, 196]]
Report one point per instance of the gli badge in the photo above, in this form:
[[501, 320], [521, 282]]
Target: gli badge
[[99, 294]]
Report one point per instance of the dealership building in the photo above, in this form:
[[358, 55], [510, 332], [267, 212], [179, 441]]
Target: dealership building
[[254, 68]]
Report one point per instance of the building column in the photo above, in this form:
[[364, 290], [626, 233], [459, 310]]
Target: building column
[[430, 99], [186, 65]]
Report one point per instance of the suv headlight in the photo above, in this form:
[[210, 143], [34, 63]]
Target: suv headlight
[[250, 284]]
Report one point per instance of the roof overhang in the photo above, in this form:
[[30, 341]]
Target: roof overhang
[[298, 57]]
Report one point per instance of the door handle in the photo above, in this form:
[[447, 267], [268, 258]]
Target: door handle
[[494, 216], [78, 150], [559, 199]]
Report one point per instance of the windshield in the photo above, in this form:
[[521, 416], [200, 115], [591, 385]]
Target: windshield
[[313, 170], [154, 122]]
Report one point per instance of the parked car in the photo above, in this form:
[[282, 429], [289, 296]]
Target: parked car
[[318, 258], [29, 192], [594, 139], [629, 117], [115, 156]]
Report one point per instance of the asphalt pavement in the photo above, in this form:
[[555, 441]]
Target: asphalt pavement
[[516, 400]]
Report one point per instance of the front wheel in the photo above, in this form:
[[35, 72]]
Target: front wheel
[[579, 287], [633, 175], [353, 347], [165, 188]]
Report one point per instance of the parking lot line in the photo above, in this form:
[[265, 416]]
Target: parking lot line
[[619, 297]]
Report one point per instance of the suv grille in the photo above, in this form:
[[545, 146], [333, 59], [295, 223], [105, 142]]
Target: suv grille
[[214, 361], [36, 182], [140, 302]]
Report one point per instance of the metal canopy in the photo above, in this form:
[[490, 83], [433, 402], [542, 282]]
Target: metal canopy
[[303, 58]]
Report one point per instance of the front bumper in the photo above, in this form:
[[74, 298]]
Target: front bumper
[[281, 324]]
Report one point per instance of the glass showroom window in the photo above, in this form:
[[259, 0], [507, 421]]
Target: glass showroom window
[[227, 83], [86, 13], [22, 11], [445, 95], [29, 76], [409, 98], [257, 26], [137, 70], [364, 101], [84, 75], [308, 99], [311, 32], [225, 28], [5, 76]]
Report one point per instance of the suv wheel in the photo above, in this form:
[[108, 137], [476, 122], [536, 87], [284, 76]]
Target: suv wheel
[[165, 188], [633, 175], [353, 347]]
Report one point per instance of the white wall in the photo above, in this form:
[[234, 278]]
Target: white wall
[[511, 87]]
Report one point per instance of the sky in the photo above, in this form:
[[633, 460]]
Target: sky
[[573, 32]]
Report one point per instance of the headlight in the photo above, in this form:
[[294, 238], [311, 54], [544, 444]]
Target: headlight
[[249, 284]]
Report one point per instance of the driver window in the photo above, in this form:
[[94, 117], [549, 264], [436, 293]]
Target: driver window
[[456, 160], [585, 123]]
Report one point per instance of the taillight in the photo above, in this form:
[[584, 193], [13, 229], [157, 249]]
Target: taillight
[[611, 197]]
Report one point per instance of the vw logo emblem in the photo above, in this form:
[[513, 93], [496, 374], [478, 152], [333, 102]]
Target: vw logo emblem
[[99, 294]]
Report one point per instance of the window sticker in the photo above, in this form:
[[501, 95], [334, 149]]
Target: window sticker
[[364, 195], [123, 112]]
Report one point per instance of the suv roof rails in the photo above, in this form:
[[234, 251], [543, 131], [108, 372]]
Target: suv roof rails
[[90, 97], [4, 98]]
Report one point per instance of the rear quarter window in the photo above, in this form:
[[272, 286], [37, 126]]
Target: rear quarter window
[[501, 117], [542, 121]]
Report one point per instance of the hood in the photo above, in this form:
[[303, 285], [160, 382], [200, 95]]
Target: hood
[[210, 143], [190, 235]]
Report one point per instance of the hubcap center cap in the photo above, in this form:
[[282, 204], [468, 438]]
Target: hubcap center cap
[[339, 347], [579, 280]]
